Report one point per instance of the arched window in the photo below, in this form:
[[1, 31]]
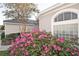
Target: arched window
[[66, 16]]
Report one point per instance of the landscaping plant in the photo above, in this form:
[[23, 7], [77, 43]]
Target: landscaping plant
[[39, 43]]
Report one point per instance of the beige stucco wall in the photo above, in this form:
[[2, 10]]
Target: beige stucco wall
[[9, 28], [45, 22], [46, 19], [14, 28], [31, 27]]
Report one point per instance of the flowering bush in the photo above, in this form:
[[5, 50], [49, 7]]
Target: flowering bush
[[37, 43]]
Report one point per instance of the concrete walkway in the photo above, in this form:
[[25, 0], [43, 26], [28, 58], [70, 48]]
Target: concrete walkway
[[4, 47]]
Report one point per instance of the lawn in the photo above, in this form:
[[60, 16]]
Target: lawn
[[4, 53]]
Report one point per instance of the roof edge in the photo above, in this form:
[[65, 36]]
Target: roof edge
[[49, 8], [52, 7]]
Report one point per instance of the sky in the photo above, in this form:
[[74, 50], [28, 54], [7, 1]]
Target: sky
[[42, 6]]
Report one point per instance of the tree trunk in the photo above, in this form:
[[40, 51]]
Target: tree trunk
[[23, 28]]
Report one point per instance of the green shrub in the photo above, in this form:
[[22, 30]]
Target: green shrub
[[11, 36], [2, 36], [2, 28], [6, 40], [4, 53]]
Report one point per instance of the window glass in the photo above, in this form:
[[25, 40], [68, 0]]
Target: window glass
[[60, 17], [56, 19], [74, 16], [66, 30], [67, 15]]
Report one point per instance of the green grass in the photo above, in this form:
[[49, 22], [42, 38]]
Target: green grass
[[4, 53]]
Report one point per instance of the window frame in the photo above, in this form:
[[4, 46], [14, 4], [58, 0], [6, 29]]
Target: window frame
[[73, 15]]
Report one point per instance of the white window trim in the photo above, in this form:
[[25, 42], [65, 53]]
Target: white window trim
[[61, 11]]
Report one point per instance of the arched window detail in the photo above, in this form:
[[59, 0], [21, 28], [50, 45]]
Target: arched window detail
[[66, 16], [74, 16]]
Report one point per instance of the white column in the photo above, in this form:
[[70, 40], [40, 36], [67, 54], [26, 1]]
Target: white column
[[78, 27], [52, 26], [0, 39], [78, 32]]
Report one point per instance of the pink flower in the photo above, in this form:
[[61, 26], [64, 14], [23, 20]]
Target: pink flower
[[26, 44], [56, 47], [46, 51], [75, 49], [59, 48], [35, 30], [21, 45], [60, 40], [67, 49], [43, 32], [16, 46], [42, 36], [34, 45], [29, 42], [26, 53], [22, 40], [45, 48], [31, 38], [23, 49], [72, 53], [78, 53], [17, 40], [13, 49], [22, 34], [27, 34]]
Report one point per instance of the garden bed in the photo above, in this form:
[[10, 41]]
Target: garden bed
[[38, 43]]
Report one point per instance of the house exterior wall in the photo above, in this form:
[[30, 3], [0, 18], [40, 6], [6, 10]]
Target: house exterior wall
[[31, 27], [47, 18], [9, 28], [14, 28], [45, 22]]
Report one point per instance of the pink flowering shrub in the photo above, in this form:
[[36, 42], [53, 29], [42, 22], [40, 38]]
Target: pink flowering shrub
[[39, 43], [61, 39]]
